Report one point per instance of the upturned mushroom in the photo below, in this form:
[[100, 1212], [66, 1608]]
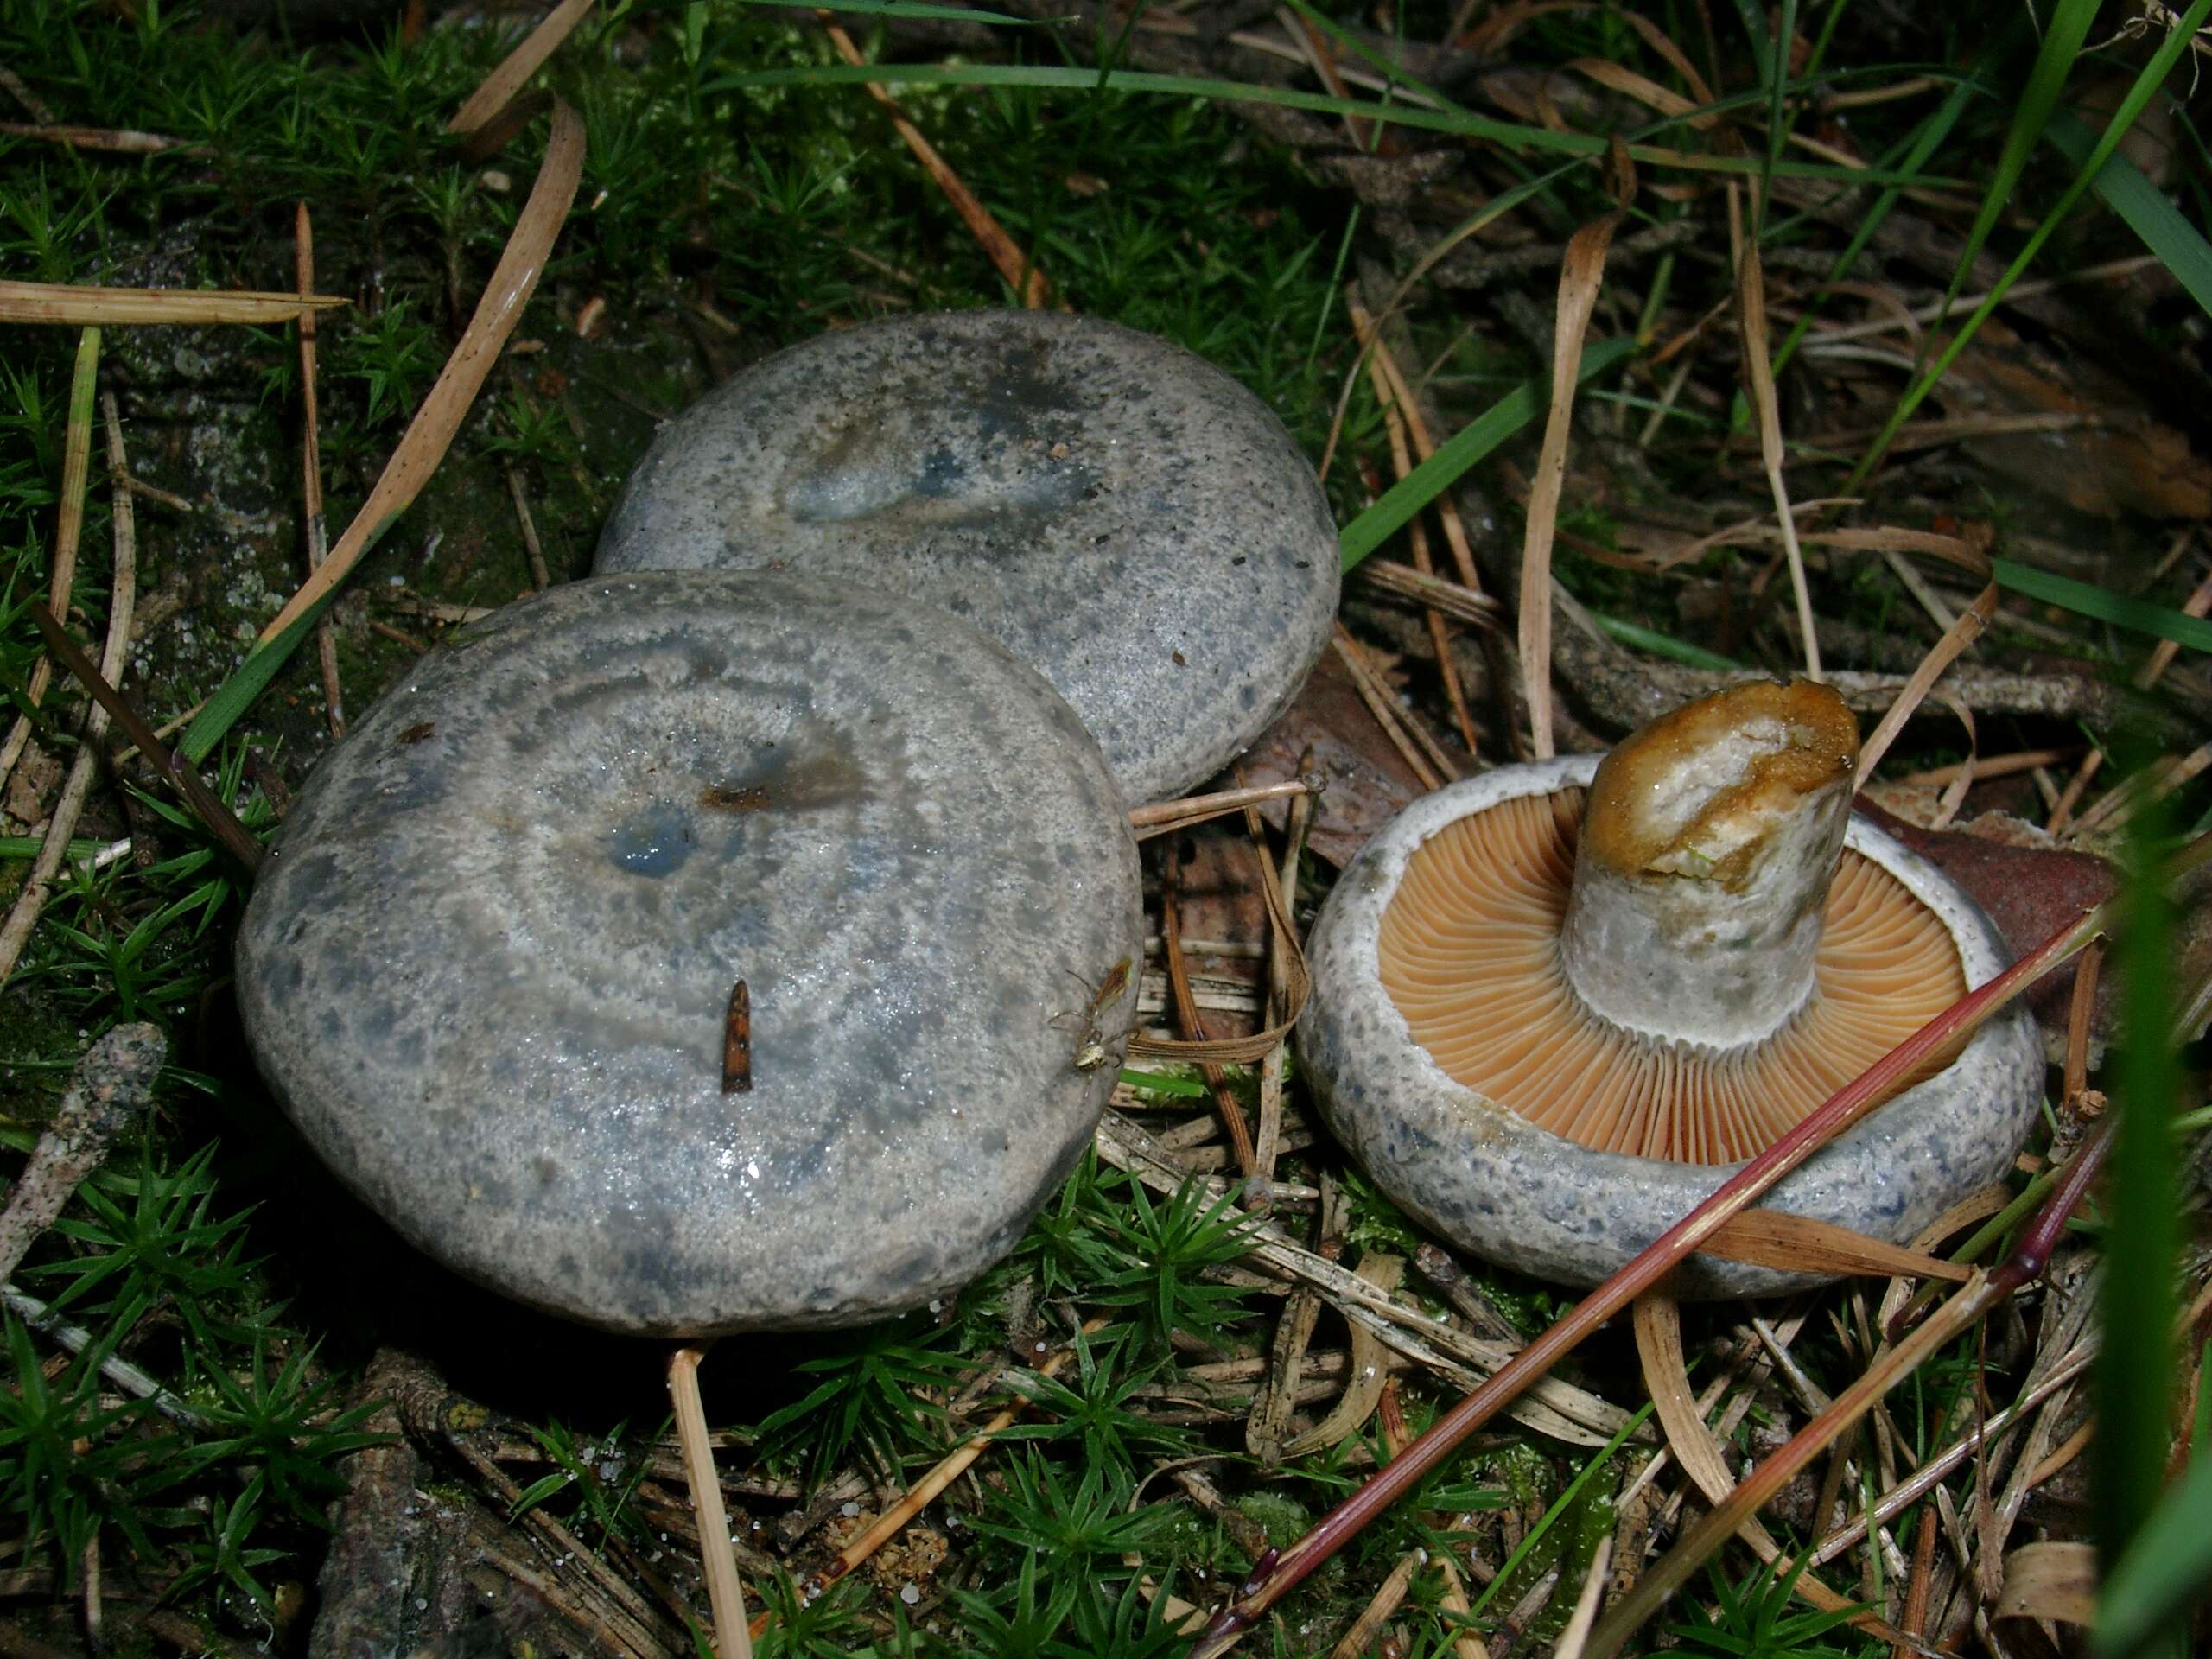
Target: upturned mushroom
[[684, 953], [1117, 512], [1556, 1005]]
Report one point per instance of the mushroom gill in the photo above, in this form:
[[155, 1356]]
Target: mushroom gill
[[1470, 953]]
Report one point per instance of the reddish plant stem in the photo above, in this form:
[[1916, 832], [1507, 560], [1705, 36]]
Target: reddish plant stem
[[1972, 1304], [1271, 1581], [2032, 1254]]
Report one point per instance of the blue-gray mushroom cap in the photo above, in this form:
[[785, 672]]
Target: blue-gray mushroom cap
[[489, 966], [1113, 509]]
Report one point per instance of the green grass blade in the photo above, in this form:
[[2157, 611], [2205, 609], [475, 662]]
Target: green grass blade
[[247, 681], [2163, 1571], [2145, 209], [1926, 142], [2152, 76], [1560, 1506], [915, 9], [1462, 450], [1666, 646], [2062, 44], [2134, 1377], [1375, 61], [1051, 78], [1774, 69], [2121, 610]]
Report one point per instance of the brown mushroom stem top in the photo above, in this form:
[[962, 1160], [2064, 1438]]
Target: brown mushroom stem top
[[1701, 875]]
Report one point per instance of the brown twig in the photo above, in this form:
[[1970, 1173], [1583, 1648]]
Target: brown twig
[[1164, 817], [1020, 272], [221, 822], [111, 1085]]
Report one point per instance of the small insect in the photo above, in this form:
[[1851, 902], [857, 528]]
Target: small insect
[[737, 1042], [1090, 1043]]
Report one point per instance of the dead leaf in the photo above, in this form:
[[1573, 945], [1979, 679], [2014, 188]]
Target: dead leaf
[[35, 780], [2120, 459], [2055, 1581], [1368, 782]]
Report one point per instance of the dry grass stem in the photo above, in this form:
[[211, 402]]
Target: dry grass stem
[[1360, 1637], [318, 530], [100, 307], [1995, 765], [1016, 269], [1462, 604], [1576, 1636], [1369, 1370], [1313, 48], [1571, 1415], [123, 598], [926, 1491], [1297, 986], [724, 1594], [1401, 462], [1658, 1321], [2113, 811], [1267, 1135], [1582, 272], [1424, 444], [532, 548], [117, 141], [1375, 694], [1162, 817], [446, 405], [1698, 1544], [512, 73], [1758, 376], [1945, 651], [2154, 667], [68, 529], [1775, 1238]]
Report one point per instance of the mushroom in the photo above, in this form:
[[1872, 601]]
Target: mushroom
[[1115, 511], [1556, 1005], [499, 961]]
